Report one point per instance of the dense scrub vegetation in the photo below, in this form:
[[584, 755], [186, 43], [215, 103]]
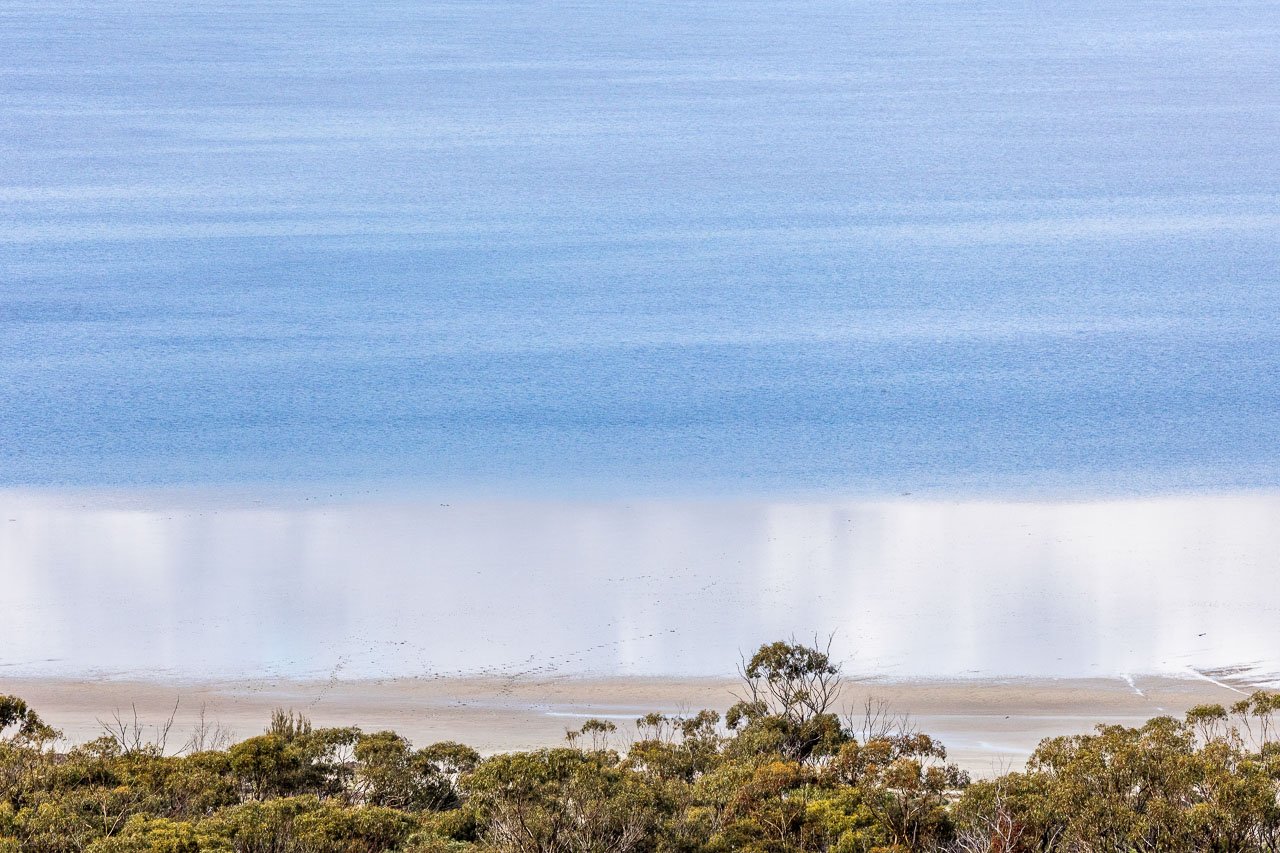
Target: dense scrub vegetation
[[781, 772]]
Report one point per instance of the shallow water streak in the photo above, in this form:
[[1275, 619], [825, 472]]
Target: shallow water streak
[[911, 588]]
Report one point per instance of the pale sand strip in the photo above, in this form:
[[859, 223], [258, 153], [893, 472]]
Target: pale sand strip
[[987, 725]]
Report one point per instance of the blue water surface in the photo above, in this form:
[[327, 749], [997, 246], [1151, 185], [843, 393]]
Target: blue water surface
[[726, 246]]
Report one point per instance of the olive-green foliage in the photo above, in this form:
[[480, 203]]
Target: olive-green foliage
[[20, 724], [562, 799], [1208, 782], [790, 688], [390, 773], [308, 824], [782, 774], [143, 834]]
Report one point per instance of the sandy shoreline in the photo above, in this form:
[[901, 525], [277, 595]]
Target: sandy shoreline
[[987, 725]]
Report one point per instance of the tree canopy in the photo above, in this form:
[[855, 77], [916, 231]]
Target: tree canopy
[[786, 770]]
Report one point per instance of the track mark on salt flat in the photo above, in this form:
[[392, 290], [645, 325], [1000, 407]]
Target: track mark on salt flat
[[1213, 680], [1128, 679]]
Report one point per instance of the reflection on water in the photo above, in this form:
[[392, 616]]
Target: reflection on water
[[200, 587]]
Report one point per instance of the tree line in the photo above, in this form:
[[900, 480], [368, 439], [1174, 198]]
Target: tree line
[[783, 771]]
